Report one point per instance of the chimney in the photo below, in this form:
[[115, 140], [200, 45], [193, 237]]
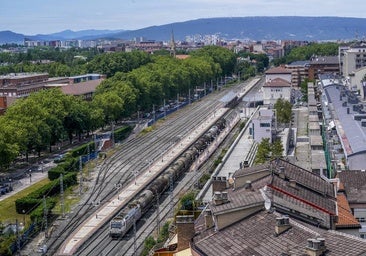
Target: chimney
[[292, 183], [281, 172], [315, 247], [185, 230], [220, 198], [282, 225], [219, 183], [248, 185], [208, 218]]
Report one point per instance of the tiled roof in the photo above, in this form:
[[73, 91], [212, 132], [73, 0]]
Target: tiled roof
[[278, 70], [238, 199], [277, 82], [345, 216], [355, 185], [250, 170], [307, 179], [255, 236], [303, 195], [81, 88]]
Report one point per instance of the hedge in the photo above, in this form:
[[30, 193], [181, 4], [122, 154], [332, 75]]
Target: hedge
[[71, 164], [83, 149], [122, 133], [28, 202]]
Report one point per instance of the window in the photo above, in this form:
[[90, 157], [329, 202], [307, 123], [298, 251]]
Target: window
[[265, 125]]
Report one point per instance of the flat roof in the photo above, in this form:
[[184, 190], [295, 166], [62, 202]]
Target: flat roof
[[349, 130]]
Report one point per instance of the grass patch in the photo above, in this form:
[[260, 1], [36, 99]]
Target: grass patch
[[7, 209], [70, 199]]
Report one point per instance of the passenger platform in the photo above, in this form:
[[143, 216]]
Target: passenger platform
[[114, 205]]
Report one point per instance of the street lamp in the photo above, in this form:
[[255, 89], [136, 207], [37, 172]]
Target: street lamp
[[23, 217], [30, 176]]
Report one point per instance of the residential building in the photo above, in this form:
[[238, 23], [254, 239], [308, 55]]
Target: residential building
[[351, 58], [356, 82], [299, 72], [273, 209], [278, 72], [353, 185], [277, 88], [323, 65], [345, 119], [262, 125]]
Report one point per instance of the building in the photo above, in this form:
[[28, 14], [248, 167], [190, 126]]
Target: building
[[351, 58], [17, 85], [277, 88], [263, 125], [353, 186], [278, 72], [273, 209], [345, 119], [323, 65], [356, 82], [299, 72]]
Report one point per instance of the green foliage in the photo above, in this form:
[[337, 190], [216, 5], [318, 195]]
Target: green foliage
[[224, 57], [283, 111], [38, 213], [277, 149], [266, 151], [51, 189], [187, 201], [164, 233], [148, 245], [122, 133], [304, 89], [306, 52], [263, 151], [5, 244]]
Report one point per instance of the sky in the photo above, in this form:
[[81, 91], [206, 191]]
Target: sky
[[31, 17]]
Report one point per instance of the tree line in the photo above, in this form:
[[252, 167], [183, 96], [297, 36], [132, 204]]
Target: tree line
[[137, 81]]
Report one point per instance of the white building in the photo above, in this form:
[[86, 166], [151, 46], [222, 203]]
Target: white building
[[262, 125], [351, 59], [276, 89], [278, 72]]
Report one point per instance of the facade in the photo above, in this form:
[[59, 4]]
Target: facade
[[323, 65], [299, 72], [278, 72], [344, 116], [354, 188], [351, 58], [275, 89], [355, 82], [262, 125]]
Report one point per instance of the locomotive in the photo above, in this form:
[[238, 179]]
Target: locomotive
[[121, 224]]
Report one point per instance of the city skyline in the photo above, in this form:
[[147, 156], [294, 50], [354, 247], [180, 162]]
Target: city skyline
[[45, 17]]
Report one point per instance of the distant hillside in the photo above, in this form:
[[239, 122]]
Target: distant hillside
[[255, 28], [8, 37], [258, 28]]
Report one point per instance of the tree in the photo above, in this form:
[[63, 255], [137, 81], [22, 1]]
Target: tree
[[277, 149], [9, 149], [263, 152], [283, 111]]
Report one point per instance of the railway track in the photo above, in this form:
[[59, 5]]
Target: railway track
[[130, 159]]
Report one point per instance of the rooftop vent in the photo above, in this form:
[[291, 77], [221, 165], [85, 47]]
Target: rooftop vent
[[220, 198], [282, 225], [315, 247]]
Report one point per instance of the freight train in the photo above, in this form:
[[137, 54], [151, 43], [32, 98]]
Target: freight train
[[120, 224]]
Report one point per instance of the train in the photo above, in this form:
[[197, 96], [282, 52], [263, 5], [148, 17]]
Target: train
[[125, 220]]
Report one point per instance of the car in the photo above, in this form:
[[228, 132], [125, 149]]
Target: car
[[59, 158]]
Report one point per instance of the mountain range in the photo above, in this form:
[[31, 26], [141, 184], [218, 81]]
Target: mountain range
[[254, 28]]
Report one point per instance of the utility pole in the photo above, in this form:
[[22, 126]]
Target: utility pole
[[134, 237], [157, 215], [112, 134], [62, 203], [45, 216], [189, 96], [81, 176], [171, 194]]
